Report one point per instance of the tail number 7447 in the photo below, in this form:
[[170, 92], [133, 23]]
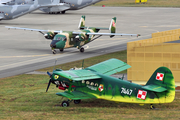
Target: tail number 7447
[[126, 91]]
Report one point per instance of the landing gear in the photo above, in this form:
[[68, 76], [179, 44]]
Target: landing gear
[[54, 51], [65, 104], [81, 49], [57, 12], [152, 107], [63, 12], [61, 50], [77, 101]]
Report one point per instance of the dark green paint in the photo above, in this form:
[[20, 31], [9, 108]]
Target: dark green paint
[[88, 81]]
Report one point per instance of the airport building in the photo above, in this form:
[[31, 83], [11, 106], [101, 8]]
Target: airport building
[[145, 56]]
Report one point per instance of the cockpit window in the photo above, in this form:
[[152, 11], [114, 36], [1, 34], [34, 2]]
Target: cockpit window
[[64, 39], [60, 38]]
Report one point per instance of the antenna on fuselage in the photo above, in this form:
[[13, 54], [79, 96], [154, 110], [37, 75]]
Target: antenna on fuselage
[[55, 64], [83, 64]]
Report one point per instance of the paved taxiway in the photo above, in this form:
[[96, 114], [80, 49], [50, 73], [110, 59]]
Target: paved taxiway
[[24, 51]]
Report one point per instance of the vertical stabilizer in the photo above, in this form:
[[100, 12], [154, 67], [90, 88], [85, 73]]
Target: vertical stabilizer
[[82, 23], [163, 77], [112, 26]]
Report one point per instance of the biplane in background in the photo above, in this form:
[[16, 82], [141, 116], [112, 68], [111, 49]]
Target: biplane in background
[[68, 39], [95, 82]]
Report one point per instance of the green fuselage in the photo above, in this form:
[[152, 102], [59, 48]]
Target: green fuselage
[[115, 89], [67, 39]]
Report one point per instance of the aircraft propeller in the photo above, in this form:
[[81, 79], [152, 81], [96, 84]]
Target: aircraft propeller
[[48, 35], [49, 80]]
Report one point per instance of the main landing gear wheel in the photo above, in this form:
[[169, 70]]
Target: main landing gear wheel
[[77, 101], [61, 50], [54, 51], [65, 104], [63, 12], [82, 49]]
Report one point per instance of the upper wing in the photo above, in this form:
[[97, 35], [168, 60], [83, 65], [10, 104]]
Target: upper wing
[[109, 67], [75, 95], [39, 30], [78, 75]]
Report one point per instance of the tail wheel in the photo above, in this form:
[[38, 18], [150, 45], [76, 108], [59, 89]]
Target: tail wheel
[[65, 104], [152, 107], [77, 101], [82, 49]]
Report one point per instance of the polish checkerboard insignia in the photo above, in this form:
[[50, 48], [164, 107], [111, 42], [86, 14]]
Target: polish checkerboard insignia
[[101, 87], [160, 76], [141, 94], [113, 23]]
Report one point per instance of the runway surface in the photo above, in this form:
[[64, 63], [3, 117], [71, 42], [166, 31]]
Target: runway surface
[[25, 51]]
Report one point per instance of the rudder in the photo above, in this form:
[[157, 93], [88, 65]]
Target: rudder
[[82, 22], [112, 26], [163, 77]]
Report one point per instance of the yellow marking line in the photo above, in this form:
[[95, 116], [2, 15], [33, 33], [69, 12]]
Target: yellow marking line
[[24, 56], [163, 26], [86, 47]]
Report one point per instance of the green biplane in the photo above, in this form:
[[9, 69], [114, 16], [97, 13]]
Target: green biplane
[[95, 82], [68, 39]]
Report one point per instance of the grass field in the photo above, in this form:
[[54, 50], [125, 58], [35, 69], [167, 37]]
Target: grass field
[[24, 97], [131, 3]]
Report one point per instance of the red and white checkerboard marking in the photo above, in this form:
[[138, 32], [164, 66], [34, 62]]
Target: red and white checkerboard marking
[[141, 94], [113, 23], [160, 76]]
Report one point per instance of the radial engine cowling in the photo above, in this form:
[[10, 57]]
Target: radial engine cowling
[[49, 35], [81, 37]]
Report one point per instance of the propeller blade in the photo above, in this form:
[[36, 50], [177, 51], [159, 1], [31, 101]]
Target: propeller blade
[[49, 74], [48, 85]]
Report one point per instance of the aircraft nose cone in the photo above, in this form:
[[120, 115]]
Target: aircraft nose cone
[[53, 45]]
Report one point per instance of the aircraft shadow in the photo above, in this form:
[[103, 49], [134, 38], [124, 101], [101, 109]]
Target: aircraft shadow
[[106, 104]]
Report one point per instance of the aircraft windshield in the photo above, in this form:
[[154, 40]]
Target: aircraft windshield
[[60, 38]]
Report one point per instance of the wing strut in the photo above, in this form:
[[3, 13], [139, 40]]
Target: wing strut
[[92, 40]]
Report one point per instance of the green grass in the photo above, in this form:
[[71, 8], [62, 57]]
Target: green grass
[[122, 55], [131, 3], [24, 97]]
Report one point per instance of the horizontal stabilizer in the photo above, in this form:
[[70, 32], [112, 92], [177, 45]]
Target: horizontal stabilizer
[[154, 88], [109, 67], [109, 34], [100, 28], [78, 75], [75, 95]]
